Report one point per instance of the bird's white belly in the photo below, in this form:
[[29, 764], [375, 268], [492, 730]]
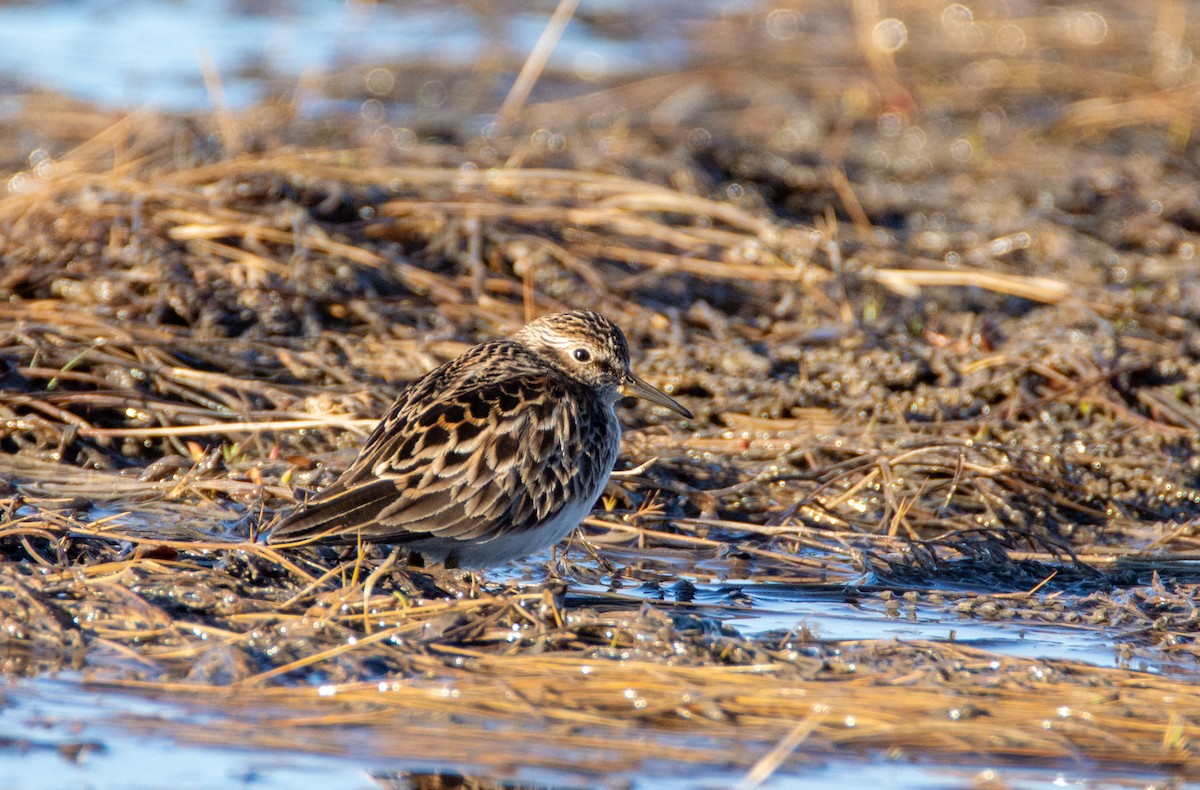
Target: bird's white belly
[[510, 545], [517, 544]]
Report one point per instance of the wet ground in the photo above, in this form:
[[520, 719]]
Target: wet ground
[[926, 275]]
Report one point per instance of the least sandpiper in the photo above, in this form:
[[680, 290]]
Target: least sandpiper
[[491, 456]]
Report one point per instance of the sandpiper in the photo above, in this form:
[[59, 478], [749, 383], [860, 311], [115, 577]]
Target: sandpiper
[[496, 454]]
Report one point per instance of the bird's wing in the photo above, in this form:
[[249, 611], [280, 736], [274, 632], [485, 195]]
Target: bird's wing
[[500, 456], [440, 383]]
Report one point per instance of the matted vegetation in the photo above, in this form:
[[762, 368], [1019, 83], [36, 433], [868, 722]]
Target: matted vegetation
[[939, 333]]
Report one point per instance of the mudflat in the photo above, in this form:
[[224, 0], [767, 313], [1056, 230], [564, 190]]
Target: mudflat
[[929, 283]]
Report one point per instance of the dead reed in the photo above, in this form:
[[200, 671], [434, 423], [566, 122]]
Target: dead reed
[[940, 354]]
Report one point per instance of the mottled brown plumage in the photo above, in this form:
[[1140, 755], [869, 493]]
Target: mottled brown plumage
[[495, 454]]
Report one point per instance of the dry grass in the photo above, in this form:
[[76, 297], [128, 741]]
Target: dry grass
[[965, 374]]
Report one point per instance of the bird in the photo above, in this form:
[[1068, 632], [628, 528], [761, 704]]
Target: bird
[[496, 454]]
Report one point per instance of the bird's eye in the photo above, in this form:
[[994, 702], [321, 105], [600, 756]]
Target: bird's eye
[[582, 355]]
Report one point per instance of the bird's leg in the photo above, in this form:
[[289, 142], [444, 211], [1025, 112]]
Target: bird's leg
[[369, 586], [592, 551]]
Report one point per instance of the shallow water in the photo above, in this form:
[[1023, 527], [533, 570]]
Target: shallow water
[[150, 54], [137, 740], [869, 618], [771, 612], [43, 719], [835, 613], [58, 733]]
